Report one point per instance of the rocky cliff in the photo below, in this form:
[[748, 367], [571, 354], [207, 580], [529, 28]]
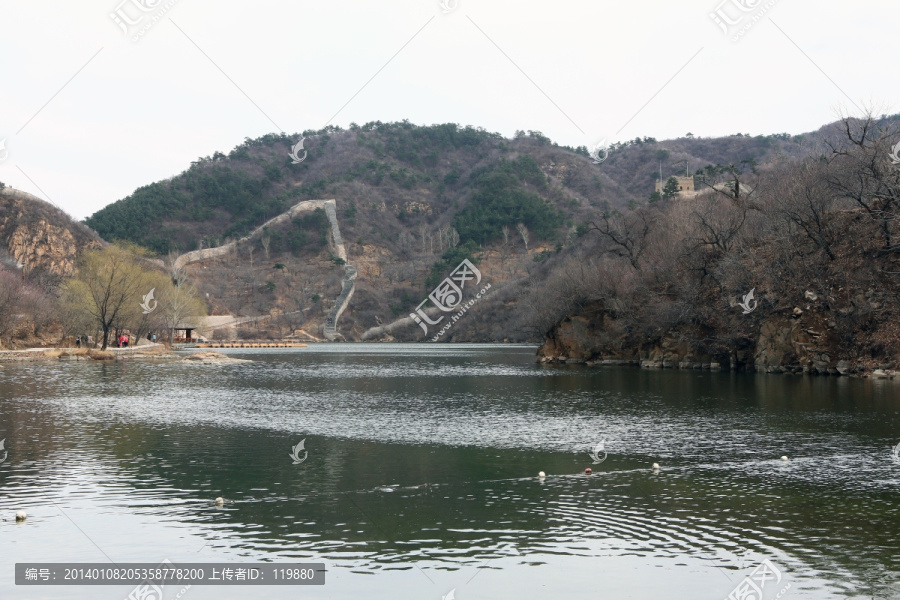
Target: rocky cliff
[[39, 236], [801, 339]]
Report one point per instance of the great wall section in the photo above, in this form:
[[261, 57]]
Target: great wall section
[[348, 283]]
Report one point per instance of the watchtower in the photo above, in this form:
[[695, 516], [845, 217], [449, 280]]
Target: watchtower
[[685, 184]]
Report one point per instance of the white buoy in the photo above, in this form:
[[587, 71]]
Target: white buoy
[[656, 466], [542, 474], [784, 458], [21, 516], [220, 501]]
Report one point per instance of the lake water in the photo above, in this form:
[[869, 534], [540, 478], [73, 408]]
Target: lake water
[[421, 475]]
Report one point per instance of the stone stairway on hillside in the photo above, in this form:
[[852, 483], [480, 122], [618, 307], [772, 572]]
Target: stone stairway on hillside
[[348, 284], [335, 230]]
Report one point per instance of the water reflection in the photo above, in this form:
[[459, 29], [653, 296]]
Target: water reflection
[[430, 457]]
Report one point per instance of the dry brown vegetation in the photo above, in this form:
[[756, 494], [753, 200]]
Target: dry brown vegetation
[[101, 355], [815, 213], [826, 225], [26, 310]]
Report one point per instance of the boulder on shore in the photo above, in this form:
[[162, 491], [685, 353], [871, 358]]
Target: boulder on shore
[[210, 357]]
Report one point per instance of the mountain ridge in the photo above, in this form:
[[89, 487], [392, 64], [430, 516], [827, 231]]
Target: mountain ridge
[[413, 201]]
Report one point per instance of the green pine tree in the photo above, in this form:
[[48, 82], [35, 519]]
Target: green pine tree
[[671, 189]]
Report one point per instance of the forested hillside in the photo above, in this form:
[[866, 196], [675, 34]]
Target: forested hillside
[[405, 177], [575, 250], [412, 202], [798, 273]]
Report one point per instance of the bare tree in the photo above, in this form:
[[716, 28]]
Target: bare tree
[[178, 302], [41, 309], [108, 288], [717, 225], [392, 272], [805, 203], [407, 271], [729, 180], [423, 231], [860, 171], [627, 235], [10, 303], [523, 231], [452, 238], [266, 241], [405, 242], [504, 249]]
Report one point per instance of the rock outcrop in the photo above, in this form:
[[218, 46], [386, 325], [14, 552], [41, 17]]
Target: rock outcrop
[[38, 236], [40, 244], [212, 358], [794, 340]]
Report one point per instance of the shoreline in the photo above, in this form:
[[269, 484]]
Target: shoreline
[[715, 367], [150, 351], [160, 351]]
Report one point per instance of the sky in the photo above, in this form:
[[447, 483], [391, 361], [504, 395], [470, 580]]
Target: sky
[[100, 97]]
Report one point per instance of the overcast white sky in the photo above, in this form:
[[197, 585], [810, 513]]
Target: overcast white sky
[[89, 114]]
